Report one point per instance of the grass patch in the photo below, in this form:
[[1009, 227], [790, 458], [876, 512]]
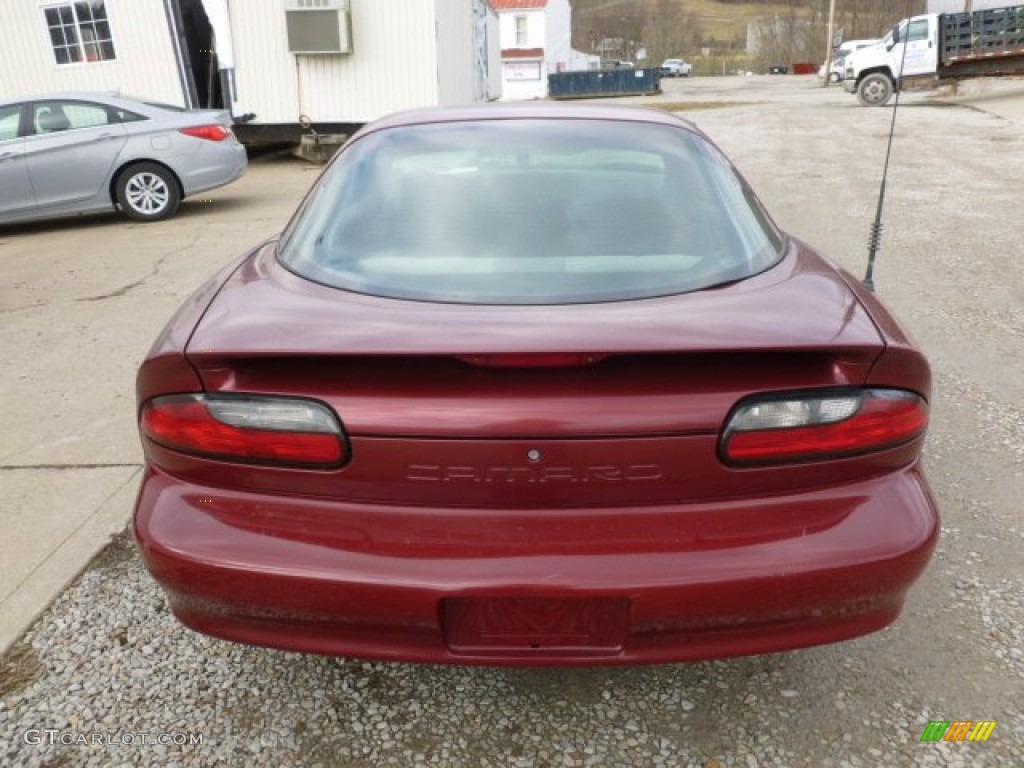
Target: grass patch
[[120, 550], [721, 22], [19, 668]]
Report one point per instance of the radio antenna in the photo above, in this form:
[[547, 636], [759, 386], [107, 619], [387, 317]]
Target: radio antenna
[[875, 238]]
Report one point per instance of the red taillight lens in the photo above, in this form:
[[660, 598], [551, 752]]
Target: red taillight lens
[[246, 428], [212, 132], [811, 427]]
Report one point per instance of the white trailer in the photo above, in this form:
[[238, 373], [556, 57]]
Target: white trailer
[[274, 64], [122, 45]]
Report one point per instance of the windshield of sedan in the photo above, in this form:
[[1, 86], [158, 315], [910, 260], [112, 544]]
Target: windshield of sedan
[[530, 211]]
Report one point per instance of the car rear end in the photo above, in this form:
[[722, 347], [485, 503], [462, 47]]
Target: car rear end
[[675, 68], [396, 469], [199, 145]]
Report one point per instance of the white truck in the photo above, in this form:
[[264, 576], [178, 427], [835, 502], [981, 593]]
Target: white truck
[[933, 49]]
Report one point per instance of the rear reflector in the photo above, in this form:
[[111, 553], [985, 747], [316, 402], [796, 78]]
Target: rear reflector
[[810, 427], [248, 429], [213, 132]]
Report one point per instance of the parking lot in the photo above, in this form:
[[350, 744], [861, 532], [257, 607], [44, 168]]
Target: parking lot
[[83, 299]]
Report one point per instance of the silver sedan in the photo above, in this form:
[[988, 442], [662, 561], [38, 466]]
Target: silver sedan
[[72, 153]]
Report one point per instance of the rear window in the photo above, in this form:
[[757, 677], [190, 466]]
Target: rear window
[[529, 212]]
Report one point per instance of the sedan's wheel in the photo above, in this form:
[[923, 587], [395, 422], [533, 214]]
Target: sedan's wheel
[[148, 192], [875, 90], [834, 77]]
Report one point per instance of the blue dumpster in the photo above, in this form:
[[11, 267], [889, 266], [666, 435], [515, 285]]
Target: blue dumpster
[[589, 83]]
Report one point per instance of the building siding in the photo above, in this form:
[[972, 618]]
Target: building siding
[[558, 34], [535, 28], [145, 63], [523, 77], [392, 67], [456, 71], [405, 55], [469, 68]]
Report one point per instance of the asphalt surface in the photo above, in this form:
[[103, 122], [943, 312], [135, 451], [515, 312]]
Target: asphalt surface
[[105, 662]]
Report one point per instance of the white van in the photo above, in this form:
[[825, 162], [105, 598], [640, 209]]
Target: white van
[[845, 48]]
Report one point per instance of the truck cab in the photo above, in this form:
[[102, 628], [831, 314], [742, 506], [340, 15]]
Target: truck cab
[[910, 50]]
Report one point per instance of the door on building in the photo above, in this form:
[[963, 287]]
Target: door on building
[[197, 54]]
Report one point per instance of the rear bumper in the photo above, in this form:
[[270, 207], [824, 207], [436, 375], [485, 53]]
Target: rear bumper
[[332, 578], [214, 165]]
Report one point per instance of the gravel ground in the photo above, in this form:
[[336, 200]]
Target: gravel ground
[[108, 659], [108, 662]]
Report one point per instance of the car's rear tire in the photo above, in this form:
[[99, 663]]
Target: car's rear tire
[[834, 77], [875, 90], [148, 192]]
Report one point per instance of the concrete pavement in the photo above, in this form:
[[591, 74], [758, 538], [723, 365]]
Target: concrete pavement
[[1003, 97], [81, 301]]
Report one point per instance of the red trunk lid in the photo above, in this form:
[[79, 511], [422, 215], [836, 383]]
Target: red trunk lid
[[639, 425]]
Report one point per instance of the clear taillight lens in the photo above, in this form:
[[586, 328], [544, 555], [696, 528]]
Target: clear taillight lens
[[816, 426], [252, 429]]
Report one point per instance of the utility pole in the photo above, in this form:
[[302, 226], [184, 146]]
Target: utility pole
[[828, 43]]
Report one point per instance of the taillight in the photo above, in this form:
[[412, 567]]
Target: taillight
[[213, 132], [814, 426], [250, 429]]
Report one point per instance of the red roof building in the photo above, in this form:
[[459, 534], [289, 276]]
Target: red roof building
[[515, 5]]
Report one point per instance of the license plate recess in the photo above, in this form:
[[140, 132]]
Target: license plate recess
[[518, 625]]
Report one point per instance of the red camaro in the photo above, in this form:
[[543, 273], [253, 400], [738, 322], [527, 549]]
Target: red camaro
[[534, 385]]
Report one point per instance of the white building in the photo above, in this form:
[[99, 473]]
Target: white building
[[272, 63], [536, 41]]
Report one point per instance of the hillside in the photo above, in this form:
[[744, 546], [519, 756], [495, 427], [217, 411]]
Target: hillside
[[720, 23], [671, 27]]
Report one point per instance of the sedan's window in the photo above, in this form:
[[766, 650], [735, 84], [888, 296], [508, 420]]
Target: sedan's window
[[10, 118], [125, 116], [55, 116], [530, 212]]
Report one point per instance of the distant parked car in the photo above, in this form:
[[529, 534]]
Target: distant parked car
[[778, 69], [839, 61], [73, 153], [836, 72], [676, 68]]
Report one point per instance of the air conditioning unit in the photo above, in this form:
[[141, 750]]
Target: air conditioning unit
[[318, 26]]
